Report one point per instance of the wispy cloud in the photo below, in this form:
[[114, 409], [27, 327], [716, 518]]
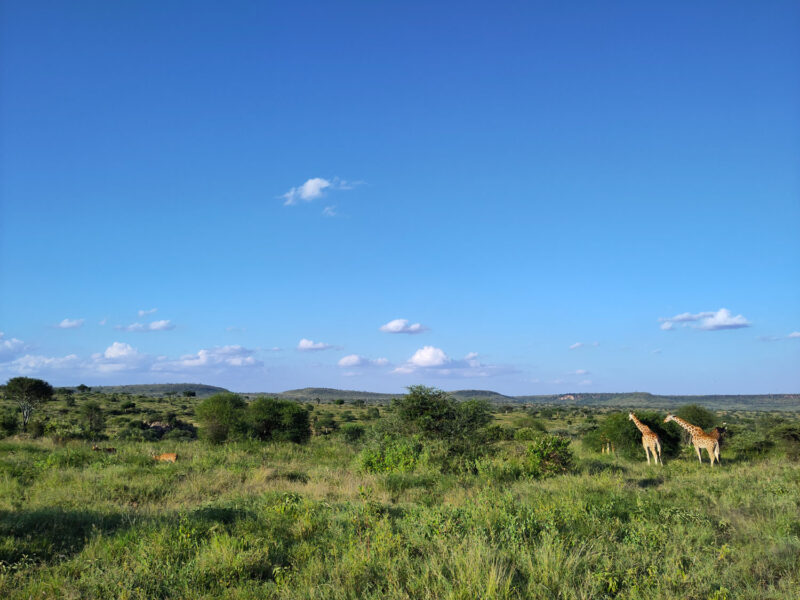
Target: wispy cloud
[[354, 360], [102, 321], [329, 211], [777, 338], [163, 325], [579, 372], [403, 326], [306, 345], [576, 345], [121, 357], [149, 311], [70, 323], [315, 188], [10, 348], [705, 321]]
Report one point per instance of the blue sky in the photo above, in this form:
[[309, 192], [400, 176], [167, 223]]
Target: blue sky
[[583, 197]]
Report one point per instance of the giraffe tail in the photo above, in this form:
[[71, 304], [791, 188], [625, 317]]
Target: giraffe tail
[[716, 452]]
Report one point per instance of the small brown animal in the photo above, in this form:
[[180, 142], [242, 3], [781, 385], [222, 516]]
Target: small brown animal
[[166, 457]]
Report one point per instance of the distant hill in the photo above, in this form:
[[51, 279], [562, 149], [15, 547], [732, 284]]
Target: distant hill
[[765, 402], [160, 389]]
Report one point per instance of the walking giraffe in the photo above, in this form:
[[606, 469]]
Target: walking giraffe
[[700, 439], [650, 440]]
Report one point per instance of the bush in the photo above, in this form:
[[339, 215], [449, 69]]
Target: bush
[[391, 455], [9, 423], [352, 432], [93, 418], [372, 413], [179, 435], [525, 434], [325, 423], [499, 433], [272, 419], [220, 415], [547, 456]]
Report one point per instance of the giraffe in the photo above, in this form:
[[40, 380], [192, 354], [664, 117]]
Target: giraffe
[[700, 439], [650, 440], [607, 447]]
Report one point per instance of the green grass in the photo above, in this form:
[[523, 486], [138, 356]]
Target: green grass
[[249, 520]]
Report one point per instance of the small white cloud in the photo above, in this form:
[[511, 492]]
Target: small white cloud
[[310, 190], [329, 211], [576, 345], [706, 321], [235, 329], [657, 351], [10, 348], [355, 360], [402, 326], [310, 346], [794, 334], [119, 356], [580, 372], [102, 321], [163, 325], [429, 356], [70, 324], [144, 313], [120, 350], [585, 382], [433, 361]]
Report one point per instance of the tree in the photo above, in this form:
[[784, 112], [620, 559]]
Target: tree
[[29, 394], [83, 388], [93, 417], [219, 415], [272, 419], [189, 394]]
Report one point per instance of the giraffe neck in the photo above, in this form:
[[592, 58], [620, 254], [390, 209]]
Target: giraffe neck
[[640, 426], [692, 429]]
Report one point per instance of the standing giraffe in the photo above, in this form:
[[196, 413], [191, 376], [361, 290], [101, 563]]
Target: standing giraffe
[[650, 440], [700, 439]]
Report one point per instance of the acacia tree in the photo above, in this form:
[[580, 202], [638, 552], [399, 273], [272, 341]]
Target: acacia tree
[[29, 393]]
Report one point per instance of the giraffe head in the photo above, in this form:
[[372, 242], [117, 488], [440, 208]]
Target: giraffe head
[[669, 418], [631, 416]]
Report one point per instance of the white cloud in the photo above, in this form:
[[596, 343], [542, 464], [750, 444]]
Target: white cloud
[[329, 211], [10, 348], [119, 350], [576, 345], [794, 334], [656, 351], [433, 361], [310, 346], [28, 364], [102, 321], [355, 360], [162, 325], [706, 321], [429, 356], [315, 188], [70, 324], [580, 372], [402, 326], [585, 382], [144, 313], [225, 356]]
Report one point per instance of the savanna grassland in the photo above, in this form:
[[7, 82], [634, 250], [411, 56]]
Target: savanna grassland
[[427, 499]]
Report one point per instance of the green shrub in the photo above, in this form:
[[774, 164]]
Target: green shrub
[[273, 419], [352, 432], [372, 413], [547, 456], [92, 417], [499, 433], [391, 455], [9, 423], [525, 434], [220, 415]]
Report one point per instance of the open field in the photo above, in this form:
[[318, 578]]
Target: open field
[[248, 519]]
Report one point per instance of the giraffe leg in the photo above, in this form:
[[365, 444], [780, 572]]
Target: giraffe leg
[[647, 454], [716, 453], [700, 458], [710, 456], [658, 447]]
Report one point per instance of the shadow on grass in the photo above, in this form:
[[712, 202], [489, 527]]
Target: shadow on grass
[[594, 466], [50, 534]]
